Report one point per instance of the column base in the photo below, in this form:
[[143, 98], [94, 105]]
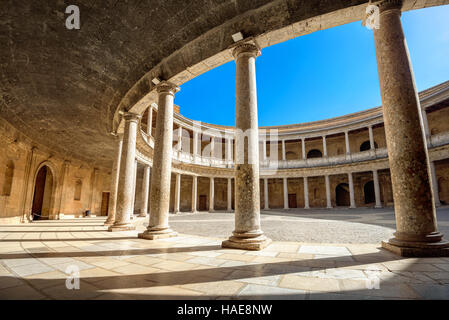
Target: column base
[[142, 215], [377, 207], [122, 227], [108, 223], [247, 243], [417, 249], [177, 212], [154, 234]]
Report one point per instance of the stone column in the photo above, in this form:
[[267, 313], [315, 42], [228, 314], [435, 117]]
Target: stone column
[[177, 193], [248, 233], [264, 149], [303, 147], [348, 149], [376, 189], [229, 194], [145, 191], [434, 180], [351, 191], [285, 184], [194, 192], [150, 120], [416, 225], [371, 138], [265, 193], [328, 192], [134, 189], [426, 126], [306, 193], [195, 144], [114, 179], [125, 197], [324, 147], [211, 195], [283, 150], [212, 147], [179, 145], [162, 160]]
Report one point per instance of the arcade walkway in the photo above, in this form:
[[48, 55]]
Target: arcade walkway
[[35, 257]]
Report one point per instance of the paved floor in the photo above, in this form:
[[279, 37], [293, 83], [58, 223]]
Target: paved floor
[[36, 260], [361, 225]]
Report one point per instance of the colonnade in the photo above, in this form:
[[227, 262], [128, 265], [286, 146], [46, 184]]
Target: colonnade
[[411, 170]]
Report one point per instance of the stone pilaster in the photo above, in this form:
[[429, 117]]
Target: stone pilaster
[[177, 193], [265, 192], [125, 187], [248, 233], [114, 180], [416, 225], [229, 194], [162, 160]]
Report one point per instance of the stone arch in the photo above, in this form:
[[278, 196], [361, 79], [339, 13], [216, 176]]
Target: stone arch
[[314, 153], [366, 145], [342, 195], [44, 190], [368, 191], [8, 178]]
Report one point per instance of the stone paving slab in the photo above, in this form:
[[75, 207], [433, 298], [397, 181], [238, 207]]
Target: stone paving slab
[[121, 266]]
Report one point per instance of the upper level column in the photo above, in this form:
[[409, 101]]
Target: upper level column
[[162, 161], [324, 147], [248, 233], [150, 120], [348, 149], [303, 147], [283, 149], [125, 189], [371, 138], [416, 225]]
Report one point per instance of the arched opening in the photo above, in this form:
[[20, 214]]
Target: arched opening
[[7, 182], [314, 153], [43, 192], [342, 195], [365, 146], [368, 190]]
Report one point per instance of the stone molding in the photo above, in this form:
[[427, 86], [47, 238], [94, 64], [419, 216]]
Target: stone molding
[[167, 87], [386, 5]]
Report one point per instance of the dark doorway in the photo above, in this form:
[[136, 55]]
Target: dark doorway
[[369, 192], [203, 203], [105, 203], [314, 153], [365, 146], [292, 200], [42, 197], [342, 195]]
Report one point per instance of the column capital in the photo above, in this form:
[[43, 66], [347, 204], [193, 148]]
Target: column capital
[[386, 5], [246, 48], [167, 87], [131, 116]]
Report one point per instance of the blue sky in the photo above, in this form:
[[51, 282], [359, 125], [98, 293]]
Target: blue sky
[[321, 75]]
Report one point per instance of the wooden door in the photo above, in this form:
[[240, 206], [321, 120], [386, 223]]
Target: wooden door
[[203, 203], [292, 201], [105, 203]]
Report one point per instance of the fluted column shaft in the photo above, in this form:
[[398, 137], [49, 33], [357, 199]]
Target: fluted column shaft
[[248, 233], [114, 179], [125, 187], [162, 160], [416, 226]]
